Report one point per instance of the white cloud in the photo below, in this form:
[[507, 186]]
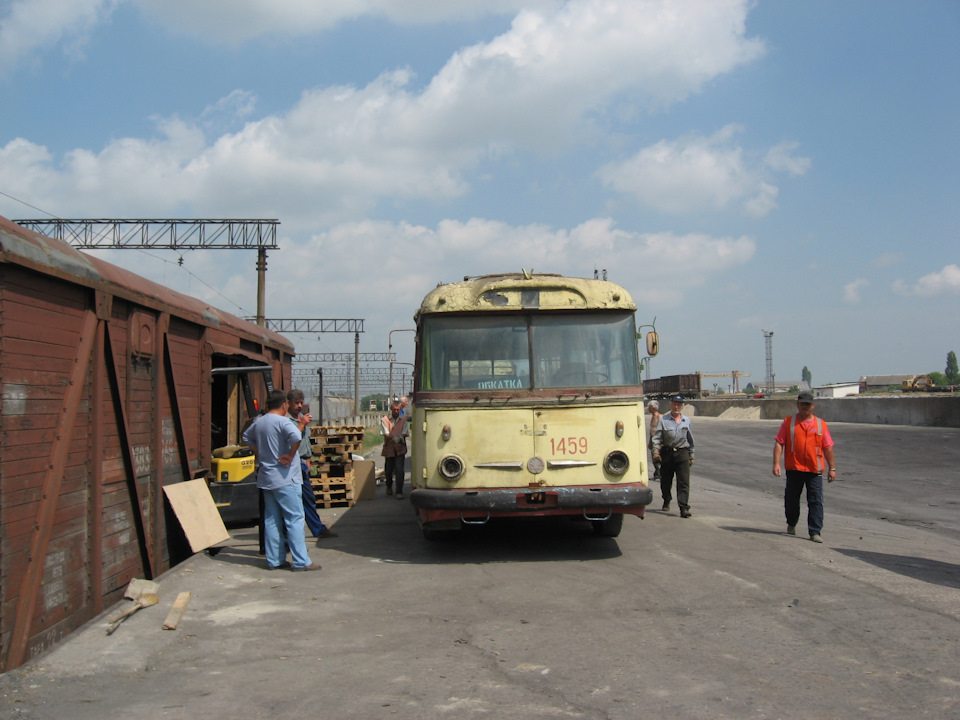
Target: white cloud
[[234, 21], [697, 173], [30, 25], [341, 150], [380, 271], [942, 282], [227, 111], [417, 257], [851, 291]]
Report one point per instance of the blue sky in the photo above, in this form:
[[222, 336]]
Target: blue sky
[[738, 166]]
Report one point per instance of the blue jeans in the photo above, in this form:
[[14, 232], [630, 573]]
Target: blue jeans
[[310, 513], [796, 482], [283, 511]]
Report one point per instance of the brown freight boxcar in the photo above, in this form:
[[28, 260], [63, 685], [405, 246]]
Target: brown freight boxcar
[[107, 394], [663, 387]]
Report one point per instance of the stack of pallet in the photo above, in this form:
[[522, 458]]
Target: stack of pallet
[[331, 471]]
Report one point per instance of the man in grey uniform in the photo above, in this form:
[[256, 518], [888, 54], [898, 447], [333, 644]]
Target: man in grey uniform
[[673, 449]]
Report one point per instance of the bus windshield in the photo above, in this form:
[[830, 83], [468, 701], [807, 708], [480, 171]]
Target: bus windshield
[[529, 352]]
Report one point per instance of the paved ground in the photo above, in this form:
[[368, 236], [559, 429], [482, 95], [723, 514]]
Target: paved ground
[[717, 616]]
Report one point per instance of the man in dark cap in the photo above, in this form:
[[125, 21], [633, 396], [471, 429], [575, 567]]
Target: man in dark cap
[[673, 448], [804, 442]]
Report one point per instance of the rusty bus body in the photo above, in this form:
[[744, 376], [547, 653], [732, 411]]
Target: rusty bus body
[[527, 402], [107, 394]]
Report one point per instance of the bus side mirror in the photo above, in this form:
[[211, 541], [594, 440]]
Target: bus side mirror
[[653, 343]]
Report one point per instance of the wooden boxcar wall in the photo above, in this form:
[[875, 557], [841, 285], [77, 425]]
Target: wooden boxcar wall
[[104, 401]]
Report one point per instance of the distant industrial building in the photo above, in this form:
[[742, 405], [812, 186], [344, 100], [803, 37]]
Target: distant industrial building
[[882, 382], [836, 390]]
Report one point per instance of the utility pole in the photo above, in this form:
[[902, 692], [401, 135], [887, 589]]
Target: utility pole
[[768, 340]]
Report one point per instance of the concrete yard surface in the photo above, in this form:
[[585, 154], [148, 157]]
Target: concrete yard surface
[[721, 615]]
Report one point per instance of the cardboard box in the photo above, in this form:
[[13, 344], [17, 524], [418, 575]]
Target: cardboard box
[[364, 482]]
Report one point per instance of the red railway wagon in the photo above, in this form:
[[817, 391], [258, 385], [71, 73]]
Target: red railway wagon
[[107, 394]]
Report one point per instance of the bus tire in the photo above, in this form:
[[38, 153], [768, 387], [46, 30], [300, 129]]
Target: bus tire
[[608, 528]]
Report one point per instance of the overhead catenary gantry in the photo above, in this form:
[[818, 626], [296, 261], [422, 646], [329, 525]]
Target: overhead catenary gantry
[[335, 357], [342, 372], [312, 325], [734, 376], [168, 234]]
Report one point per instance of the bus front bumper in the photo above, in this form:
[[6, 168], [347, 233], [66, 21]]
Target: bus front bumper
[[512, 500]]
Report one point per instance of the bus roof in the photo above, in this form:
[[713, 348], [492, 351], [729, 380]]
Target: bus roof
[[526, 291]]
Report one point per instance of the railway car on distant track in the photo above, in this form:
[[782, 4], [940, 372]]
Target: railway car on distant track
[[111, 388], [689, 385]]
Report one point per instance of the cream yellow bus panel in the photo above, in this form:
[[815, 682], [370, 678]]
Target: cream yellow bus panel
[[500, 447]]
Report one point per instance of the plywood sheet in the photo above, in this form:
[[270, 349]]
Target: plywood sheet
[[193, 505]]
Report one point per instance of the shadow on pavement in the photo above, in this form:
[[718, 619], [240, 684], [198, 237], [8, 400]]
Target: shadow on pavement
[[386, 529], [931, 571], [758, 531]]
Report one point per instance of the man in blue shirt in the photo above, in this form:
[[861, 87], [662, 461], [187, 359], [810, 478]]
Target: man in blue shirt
[[673, 448], [275, 439]]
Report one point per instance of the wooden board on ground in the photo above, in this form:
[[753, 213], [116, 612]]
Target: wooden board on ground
[[193, 505], [364, 479], [177, 611]]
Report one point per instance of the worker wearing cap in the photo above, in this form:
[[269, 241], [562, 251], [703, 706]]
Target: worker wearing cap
[[804, 442], [673, 448]]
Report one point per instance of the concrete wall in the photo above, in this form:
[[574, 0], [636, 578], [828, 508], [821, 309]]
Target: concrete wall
[[929, 410]]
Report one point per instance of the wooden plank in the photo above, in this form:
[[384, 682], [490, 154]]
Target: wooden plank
[[177, 611], [328, 505], [193, 505]]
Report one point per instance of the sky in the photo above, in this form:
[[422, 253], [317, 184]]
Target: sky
[[790, 166]]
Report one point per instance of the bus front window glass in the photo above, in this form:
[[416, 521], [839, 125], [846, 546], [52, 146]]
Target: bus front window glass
[[477, 353], [585, 350]]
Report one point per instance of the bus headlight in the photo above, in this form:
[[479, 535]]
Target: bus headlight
[[616, 462], [450, 467]]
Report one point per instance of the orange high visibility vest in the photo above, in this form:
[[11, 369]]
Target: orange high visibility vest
[[805, 453]]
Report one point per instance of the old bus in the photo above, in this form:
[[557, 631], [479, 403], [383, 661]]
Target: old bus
[[528, 402]]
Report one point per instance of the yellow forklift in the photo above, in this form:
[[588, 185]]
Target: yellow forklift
[[233, 470]]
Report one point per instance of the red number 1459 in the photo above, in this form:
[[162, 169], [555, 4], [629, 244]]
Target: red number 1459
[[568, 446]]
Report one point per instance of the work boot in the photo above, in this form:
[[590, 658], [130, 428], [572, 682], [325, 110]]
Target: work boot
[[389, 489], [685, 513], [666, 506], [791, 529], [816, 538]]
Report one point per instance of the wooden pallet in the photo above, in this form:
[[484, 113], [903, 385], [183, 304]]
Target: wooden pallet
[[330, 469], [333, 492], [329, 440]]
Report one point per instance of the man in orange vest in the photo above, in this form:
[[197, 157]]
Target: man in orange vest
[[804, 441]]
